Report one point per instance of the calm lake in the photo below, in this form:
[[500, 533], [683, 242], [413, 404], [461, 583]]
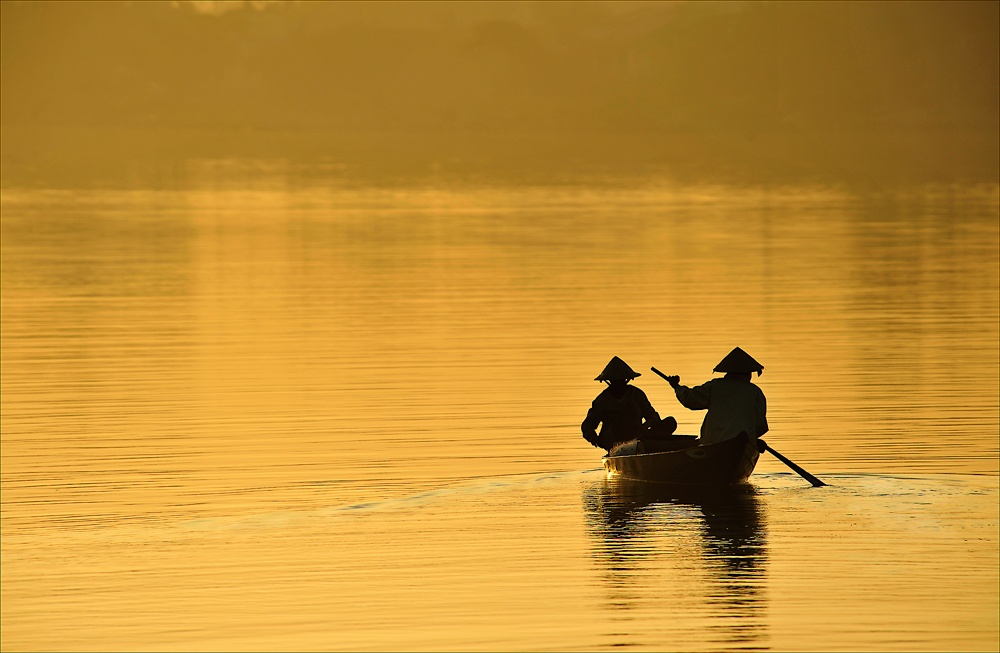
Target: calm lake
[[285, 416]]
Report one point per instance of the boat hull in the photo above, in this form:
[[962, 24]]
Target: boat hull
[[722, 463]]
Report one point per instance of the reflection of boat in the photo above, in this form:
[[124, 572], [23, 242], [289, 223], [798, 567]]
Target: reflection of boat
[[730, 514], [721, 463], [643, 534]]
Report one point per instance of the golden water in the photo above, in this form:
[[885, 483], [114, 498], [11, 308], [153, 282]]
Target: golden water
[[290, 417]]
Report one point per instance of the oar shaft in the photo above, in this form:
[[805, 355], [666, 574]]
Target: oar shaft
[[798, 470]]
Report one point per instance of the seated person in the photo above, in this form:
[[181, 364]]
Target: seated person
[[621, 410]]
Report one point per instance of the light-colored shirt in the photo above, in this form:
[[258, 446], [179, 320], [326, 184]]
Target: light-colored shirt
[[734, 406]]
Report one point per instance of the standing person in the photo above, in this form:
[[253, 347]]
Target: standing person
[[735, 405], [621, 409]]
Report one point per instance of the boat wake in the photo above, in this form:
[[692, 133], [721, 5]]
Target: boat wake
[[469, 486]]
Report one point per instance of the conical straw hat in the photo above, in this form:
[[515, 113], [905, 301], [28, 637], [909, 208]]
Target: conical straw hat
[[617, 369], [739, 362]]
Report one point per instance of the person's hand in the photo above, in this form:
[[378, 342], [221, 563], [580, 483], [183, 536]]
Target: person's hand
[[591, 437], [674, 381]]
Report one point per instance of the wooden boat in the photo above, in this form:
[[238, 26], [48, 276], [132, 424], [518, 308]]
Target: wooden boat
[[682, 461]]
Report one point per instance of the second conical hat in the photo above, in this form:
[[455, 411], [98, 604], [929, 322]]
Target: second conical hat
[[739, 362], [617, 369]]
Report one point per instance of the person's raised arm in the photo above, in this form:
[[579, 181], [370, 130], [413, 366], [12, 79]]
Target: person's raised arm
[[695, 398]]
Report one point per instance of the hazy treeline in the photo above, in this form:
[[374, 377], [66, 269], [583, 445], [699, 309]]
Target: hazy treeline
[[810, 88]]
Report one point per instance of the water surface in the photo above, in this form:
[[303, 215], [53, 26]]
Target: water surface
[[295, 417]]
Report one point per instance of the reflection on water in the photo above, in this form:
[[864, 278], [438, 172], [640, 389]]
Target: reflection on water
[[266, 356], [632, 523]]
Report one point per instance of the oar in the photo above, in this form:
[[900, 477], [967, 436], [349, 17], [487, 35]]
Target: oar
[[661, 374], [762, 446]]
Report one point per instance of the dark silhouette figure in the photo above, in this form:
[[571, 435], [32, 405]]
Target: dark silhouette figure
[[623, 410], [734, 403]]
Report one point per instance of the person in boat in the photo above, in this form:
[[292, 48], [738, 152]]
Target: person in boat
[[734, 403], [623, 411]]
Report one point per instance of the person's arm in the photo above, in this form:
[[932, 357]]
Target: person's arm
[[646, 408], [695, 398], [589, 426], [760, 413]]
